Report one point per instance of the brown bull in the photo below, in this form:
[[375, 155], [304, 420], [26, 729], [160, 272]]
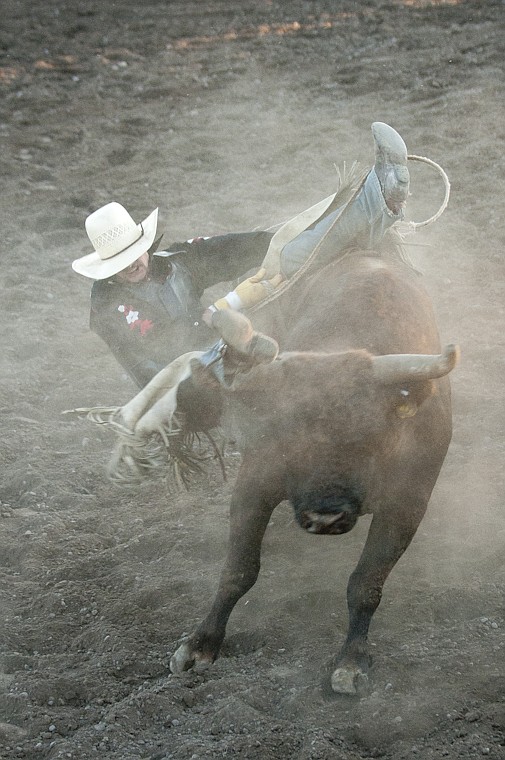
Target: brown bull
[[342, 426]]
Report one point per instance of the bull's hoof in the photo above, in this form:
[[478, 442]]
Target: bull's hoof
[[350, 681], [185, 658]]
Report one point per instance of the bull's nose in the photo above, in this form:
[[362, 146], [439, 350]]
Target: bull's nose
[[316, 522]]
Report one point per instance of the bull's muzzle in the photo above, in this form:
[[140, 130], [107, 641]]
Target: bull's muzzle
[[327, 523], [326, 505]]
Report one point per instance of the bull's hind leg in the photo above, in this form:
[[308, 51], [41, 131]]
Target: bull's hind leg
[[388, 537], [249, 516]]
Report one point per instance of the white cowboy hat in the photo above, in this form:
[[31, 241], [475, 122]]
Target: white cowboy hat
[[118, 241]]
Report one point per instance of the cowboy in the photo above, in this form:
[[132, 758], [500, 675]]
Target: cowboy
[[145, 304]]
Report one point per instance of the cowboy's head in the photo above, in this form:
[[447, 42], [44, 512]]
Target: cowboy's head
[[120, 245]]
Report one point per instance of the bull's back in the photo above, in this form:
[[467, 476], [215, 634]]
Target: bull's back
[[363, 302]]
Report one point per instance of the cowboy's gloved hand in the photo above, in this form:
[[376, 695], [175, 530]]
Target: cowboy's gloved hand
[[249, 292]]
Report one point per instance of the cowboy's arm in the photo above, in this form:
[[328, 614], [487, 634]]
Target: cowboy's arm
[[224, 257], [237, 253]]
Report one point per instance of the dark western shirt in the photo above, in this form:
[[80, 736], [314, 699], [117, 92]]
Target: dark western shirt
[[148, 324]]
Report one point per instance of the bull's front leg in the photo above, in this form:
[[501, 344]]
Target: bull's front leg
[[389, 535], [250, 512]]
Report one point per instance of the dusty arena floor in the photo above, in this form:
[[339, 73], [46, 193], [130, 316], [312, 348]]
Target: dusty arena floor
[[230, 115]]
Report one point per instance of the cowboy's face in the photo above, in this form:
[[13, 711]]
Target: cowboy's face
[[136, 272]]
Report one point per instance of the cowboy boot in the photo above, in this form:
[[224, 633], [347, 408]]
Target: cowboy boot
[[238, 333], [391, 165]]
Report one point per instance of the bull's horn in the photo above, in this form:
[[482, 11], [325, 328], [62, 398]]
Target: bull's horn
[[398, 368]]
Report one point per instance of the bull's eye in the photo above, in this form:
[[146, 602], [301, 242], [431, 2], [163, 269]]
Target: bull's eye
[[406, 407]]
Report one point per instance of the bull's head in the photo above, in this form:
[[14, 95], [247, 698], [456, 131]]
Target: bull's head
[[328, 498]]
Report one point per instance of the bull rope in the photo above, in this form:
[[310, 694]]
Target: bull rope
[[447, 185]]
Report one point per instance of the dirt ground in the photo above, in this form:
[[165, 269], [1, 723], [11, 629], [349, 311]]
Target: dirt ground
[[230, 116]]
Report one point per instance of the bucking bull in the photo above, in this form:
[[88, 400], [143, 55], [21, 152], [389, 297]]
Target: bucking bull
[[352, 418]]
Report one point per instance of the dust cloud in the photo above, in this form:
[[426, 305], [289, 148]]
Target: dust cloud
[[225, 133]]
